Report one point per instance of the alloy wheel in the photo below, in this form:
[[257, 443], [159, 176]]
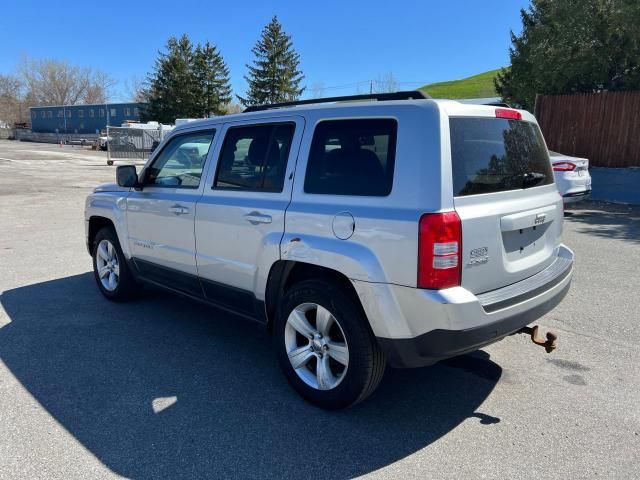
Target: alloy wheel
[[316, 346], [107, 265]]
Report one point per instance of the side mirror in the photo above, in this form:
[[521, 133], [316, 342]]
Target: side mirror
[[126, 176]]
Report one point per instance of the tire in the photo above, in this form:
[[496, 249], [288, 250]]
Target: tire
[[343, 380], [117, 282]]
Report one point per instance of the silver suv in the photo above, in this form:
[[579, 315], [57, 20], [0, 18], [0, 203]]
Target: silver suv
[[395, 230]]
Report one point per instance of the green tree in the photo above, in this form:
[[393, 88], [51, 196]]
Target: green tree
[[212, 83], [274, 76], [172, 83], [571, 46]]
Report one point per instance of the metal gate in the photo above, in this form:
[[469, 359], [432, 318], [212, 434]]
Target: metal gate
[[131, 142]]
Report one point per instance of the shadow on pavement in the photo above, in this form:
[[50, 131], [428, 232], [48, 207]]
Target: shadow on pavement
[[164, 387], [607, 220]]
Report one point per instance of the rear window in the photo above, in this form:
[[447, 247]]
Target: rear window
[[352, 157], [496, 154]]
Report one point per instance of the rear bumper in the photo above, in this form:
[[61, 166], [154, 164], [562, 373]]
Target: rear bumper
[[420, 327], [439, 344], [576, 196]]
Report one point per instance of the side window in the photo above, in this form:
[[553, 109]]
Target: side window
[[255, 157], [352, 157], [180, 163]]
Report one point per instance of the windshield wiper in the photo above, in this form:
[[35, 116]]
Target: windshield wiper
[[523, 180], [532, 179]]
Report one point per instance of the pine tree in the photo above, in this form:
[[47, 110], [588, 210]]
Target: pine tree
[[172, 84], [212, 83], [274, 76], [573, 46]]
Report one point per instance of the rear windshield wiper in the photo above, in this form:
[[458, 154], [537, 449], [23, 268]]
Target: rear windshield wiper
[[523, 180], [532, 179]]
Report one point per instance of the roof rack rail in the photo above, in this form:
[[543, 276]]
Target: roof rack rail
[[408, 95]]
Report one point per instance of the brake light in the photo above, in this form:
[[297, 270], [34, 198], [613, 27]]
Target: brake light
[[508, 113], [439, 250], [564, 166]]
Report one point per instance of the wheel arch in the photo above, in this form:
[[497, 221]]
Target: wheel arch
[[285, 273]]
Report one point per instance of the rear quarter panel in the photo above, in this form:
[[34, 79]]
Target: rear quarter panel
[[383, 247]]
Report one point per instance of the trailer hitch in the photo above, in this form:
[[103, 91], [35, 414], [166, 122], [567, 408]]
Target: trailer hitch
[[551, 342]]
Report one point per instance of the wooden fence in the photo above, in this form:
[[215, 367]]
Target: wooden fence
[[603, 127]]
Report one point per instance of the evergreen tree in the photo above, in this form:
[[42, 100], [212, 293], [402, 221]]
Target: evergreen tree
[[212, 83], [274, 76], [172, 84], [572, 46]]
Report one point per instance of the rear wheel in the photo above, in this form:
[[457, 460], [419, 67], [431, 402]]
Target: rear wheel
[[325, 346], [110, 269]]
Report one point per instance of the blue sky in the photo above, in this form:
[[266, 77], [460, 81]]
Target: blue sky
[[342, 44]]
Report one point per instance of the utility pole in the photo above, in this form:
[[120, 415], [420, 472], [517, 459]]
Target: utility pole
[[370, 87]]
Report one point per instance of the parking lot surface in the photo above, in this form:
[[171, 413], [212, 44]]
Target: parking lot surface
[[166, 388]]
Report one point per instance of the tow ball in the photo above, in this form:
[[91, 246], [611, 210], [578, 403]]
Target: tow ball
[[551, 342]]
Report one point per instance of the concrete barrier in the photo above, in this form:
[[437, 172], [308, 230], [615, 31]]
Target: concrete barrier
[[618, 185]]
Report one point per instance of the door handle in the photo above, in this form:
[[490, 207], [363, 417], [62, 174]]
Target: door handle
[[179, 210], [256, 217]]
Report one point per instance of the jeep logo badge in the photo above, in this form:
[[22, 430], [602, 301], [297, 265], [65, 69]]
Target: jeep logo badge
[[540, 218]]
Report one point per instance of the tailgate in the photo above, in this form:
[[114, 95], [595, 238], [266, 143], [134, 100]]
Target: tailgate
[[510, 211], [508, 237]]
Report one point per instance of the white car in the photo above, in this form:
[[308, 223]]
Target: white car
[[572, 176]]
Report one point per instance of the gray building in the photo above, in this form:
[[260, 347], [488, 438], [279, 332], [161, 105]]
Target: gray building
[[72, 119]]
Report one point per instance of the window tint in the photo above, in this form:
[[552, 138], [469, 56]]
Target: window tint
[[496, 155], [181, 161], [352, 157], [255, 157]]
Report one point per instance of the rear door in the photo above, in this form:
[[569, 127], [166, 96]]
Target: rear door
[[240, 217], [504, 193]]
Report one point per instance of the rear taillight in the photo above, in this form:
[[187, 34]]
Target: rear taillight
[[508, 113], [564, 166], [439, 250]]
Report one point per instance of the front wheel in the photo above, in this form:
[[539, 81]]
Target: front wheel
[[110, 269], [325, 346]]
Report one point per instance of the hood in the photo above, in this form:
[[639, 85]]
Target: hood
[[110, 187]]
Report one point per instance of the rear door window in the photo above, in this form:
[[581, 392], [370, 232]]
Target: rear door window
[[352, 157], [496, 154], [254, 157]]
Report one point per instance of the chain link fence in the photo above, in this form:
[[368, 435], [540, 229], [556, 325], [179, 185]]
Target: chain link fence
[[131, 142]]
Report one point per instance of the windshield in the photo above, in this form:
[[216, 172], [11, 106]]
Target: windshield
[[496, 154]]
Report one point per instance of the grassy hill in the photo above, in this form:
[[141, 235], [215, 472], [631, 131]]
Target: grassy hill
[[477, 86]]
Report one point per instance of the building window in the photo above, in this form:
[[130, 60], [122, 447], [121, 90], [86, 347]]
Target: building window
[[127, 112], [92, 113], [136, 112], [60, 113], [34, 115], [80, 113], [49, 114], [69, 113], [81, 126], [113, 112], [42, 114], [101, 112]]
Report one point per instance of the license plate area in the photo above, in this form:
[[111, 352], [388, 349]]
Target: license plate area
[[524, 242]]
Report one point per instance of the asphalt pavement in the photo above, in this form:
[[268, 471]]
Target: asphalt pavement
[[166, 388]]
